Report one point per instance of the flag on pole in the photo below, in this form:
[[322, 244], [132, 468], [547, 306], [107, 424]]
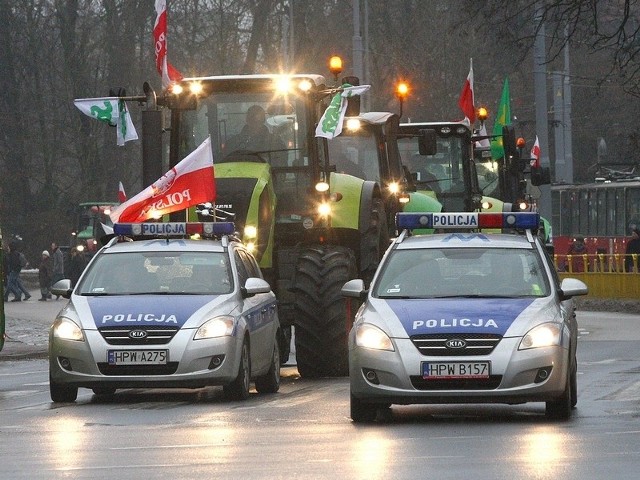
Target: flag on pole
[[122, 196], [110, 110], [165, 69], [535, 154], [466, 102], [187, 184], [502, 118], [330, 125]]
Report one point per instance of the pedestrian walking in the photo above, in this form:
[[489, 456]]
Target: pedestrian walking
[[23, 264], [77, 263], [13, 271], [57, 272], [44, 276]]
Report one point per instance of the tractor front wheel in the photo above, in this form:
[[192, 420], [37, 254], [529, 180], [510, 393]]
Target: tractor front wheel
[[321, 327]]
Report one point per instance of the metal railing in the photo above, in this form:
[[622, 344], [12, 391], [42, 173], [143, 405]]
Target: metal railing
[[606, 275]]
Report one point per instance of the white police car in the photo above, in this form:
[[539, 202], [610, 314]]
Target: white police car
[[464, 317], [157, 308]]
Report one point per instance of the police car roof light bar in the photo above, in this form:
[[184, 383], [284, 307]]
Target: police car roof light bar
[[468, 220], [174, 229]]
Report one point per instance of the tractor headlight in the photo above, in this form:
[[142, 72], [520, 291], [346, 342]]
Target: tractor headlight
[[324, 209], [394, 188], [250, 231]]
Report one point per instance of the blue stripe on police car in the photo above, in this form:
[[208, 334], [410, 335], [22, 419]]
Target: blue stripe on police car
[[462, 315], [146, 310]]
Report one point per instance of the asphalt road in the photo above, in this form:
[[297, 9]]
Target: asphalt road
[[304, 430]]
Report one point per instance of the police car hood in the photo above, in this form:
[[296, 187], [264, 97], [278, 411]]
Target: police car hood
[[502, 316], [148, 310]]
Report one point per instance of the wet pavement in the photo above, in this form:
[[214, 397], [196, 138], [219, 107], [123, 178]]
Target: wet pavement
[[27, 326]]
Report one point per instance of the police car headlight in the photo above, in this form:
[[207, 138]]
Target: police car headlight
[[369, 336], [216, 327], [545, 335], [66, 329]]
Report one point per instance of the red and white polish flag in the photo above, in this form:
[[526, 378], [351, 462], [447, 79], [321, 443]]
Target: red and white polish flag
[[187, 184], [165, 69], [122, 196], [535, 154], [466, 102]]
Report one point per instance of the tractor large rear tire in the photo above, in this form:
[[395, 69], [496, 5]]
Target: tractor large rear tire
[[320, 310]]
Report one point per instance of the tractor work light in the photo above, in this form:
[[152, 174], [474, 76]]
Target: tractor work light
[[322, 187], [174, 229], [353, 124], [467, 220]]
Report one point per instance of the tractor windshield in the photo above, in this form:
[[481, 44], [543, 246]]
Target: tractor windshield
[[442, 173], [248, 127]]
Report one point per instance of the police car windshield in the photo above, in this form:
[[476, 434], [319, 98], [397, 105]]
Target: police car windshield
[[462, 272], [158, 273]]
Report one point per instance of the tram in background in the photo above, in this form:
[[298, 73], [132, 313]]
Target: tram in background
[[602, 213]]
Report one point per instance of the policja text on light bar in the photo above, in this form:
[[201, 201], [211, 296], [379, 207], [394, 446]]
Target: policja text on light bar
[[467, 220]]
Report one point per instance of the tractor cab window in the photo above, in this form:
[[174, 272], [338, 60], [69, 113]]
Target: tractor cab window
[[355, 155], [252, 127]]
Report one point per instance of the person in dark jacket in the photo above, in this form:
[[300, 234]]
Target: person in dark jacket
[[76, 265], [44, 276], [633, 247], [13, 270]]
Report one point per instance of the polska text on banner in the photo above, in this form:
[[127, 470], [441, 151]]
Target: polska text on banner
[[187, 184]]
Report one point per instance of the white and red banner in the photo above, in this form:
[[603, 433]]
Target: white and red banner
[[535, 154], [122, 196], [466, 102], [187, 184], [165, 69]]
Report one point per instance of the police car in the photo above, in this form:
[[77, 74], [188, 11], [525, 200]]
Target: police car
[[166, 305], [464, 316]]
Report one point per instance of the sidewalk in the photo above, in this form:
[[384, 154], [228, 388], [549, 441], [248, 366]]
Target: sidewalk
[[27, 327]]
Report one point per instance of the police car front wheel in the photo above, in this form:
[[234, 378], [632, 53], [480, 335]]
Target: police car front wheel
[[62, 393]]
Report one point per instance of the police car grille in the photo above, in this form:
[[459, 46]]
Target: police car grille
[[169, 369], [154, 335], [475, 344], [490, 383]]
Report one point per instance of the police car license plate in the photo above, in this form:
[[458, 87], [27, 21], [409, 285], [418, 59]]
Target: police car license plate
[[137, 357], [444, 370]]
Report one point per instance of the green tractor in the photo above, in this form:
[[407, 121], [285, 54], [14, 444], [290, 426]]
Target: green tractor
[[316, 211], [444, 160]]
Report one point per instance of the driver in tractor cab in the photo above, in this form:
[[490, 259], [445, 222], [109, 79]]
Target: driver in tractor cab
[[256, 138]]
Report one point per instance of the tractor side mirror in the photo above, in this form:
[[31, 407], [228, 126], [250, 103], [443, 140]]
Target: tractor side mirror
[[540, 176]]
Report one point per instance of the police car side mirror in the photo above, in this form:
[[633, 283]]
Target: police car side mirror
[[254, 286], [354, 289], [572, 287], [62, 288]]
